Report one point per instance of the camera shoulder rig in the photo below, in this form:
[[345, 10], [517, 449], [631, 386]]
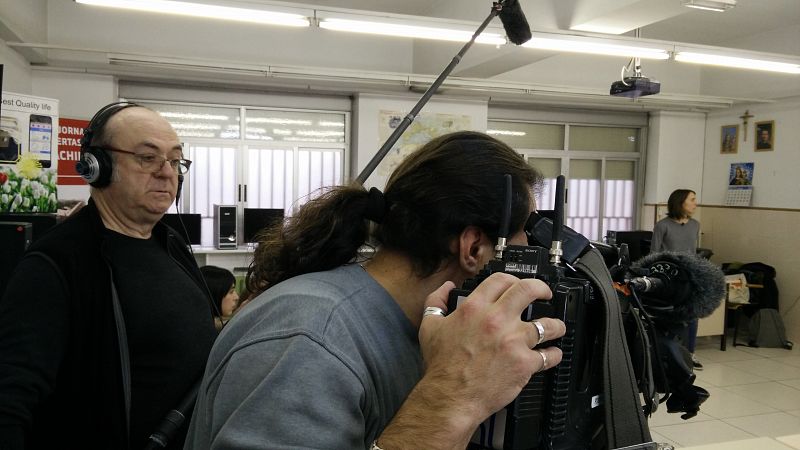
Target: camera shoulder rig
[[625, 424]]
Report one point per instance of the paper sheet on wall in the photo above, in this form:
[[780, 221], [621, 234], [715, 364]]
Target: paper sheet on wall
[[739, 196]]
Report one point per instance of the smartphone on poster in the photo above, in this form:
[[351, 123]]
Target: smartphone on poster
[[41, 137]]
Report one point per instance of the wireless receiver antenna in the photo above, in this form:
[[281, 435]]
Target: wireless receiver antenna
[[558, 222], [505, 223], [517, 31]]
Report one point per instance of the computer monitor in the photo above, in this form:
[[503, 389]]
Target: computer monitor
[[256, 219], [547, 213], [192, 234], [638, 241], [41, 222]]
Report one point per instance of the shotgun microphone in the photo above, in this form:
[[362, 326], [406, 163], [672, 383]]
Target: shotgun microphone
[[679, 287], [517, 29]]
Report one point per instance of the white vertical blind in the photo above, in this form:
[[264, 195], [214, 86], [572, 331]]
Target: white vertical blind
[[210, 181], [601, 165], [583, 199], [620, 194], [324, 169], [282, 157], [269, 177]]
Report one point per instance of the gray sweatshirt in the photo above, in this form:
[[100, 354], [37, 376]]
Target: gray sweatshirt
[[672, 236], [322, 360]]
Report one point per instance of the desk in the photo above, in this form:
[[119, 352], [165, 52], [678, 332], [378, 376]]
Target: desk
[[228, 259]]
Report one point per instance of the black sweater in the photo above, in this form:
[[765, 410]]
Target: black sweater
[[60, 372]]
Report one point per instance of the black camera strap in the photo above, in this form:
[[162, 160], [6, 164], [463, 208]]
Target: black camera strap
[[124, 355], [625, 423]]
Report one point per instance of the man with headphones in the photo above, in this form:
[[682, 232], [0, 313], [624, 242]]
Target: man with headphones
[[106, 323]]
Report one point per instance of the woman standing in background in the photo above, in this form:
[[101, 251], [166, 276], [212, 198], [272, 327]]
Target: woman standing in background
[[678, 232], [222, 285]]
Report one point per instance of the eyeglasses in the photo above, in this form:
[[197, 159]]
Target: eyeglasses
[[153, 163]]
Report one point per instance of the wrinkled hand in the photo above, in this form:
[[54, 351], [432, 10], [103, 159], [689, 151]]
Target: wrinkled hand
[[481, 356]]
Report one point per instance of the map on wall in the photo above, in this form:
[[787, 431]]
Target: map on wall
[[424, 128]]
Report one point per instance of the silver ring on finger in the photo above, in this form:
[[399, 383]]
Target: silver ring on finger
[[433, 310], [544, 360], [540, 329]]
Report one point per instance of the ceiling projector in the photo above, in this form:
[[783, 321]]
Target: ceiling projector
[[635, 87]]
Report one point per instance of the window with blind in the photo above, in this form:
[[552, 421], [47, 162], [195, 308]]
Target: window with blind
[[600, 163], [255, 157]]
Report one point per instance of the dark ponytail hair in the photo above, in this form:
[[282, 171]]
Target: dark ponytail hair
[[675, 203], [451, 182], [325, 233]]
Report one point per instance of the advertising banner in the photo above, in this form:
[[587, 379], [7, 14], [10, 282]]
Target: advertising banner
[[28, 161], [70, 132]]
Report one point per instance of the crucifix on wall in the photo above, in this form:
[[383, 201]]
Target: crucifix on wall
[[744, 118]]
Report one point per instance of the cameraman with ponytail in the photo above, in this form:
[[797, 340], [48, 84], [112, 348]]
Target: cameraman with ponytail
[[340, 355]]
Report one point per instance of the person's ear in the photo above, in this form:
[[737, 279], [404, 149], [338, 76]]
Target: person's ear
[[474, 249]]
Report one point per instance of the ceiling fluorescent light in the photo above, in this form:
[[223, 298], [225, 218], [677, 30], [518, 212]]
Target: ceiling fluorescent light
[[710, 5], [397, 27], [207, 11], [741, 61], [598, 46]]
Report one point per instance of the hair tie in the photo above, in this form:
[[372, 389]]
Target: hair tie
[[376, 206]]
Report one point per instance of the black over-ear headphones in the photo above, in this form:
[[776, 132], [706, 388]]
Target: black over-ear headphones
[[95, 165]]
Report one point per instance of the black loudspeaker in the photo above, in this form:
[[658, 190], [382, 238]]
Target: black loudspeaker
[[95, 165], [16, 237], [225, 227], [40, 222]]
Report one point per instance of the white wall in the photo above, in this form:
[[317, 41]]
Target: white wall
[[752, 83], [674, 155], [25, 20], [775, 181], [16, 71], [228, 96], [367, 110], [80, 96], [564, 115], [768, 231]]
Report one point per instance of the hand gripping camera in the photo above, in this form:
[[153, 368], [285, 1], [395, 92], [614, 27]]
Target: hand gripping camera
[[560, 408]]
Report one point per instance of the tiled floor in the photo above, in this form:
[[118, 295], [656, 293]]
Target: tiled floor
[[754, 403]]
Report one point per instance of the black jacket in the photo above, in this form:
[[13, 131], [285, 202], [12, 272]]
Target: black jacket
[[60, 372]]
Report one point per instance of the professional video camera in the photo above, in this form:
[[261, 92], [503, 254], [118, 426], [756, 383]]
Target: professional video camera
[[660, 294], [591, 400]]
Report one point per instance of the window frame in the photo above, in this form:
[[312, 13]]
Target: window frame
[[242, 145], [566, 155]]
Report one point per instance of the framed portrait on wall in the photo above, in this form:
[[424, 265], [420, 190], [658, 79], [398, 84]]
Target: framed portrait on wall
[[730, 140], [765, 136]]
